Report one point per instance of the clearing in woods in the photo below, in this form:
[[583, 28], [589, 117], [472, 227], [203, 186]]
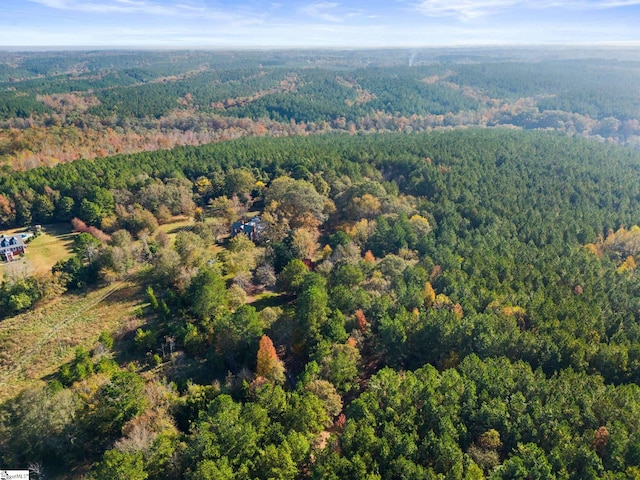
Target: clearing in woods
[[183, 223], [53, 244], [34, 344]]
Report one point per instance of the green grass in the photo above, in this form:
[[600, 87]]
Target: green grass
[[269, 299], [53, 244], [178, 225], [34, 345]]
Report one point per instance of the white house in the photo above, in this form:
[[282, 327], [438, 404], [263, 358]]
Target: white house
[[11, 246]]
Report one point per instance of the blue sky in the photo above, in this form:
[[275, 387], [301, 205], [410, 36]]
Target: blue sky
[[284, 23]]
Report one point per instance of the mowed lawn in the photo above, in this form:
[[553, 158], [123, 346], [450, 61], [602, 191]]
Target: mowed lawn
[[53, 244]]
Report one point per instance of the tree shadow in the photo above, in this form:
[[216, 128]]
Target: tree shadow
[[271, 299]]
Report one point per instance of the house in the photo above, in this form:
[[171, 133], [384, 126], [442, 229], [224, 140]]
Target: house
[[252, 228], [10, 246]]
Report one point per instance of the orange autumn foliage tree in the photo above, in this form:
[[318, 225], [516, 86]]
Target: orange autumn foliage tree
[[368, 257], [269, 366], [361, 320]]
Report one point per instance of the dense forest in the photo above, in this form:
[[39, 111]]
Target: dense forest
[[59, 107], [446, 305]]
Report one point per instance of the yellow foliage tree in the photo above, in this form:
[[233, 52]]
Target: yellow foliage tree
[[623, 242], [366, 206], [361, 231], [420, 224], [203, 185], [305, 242], [627, 265], [429, 295]]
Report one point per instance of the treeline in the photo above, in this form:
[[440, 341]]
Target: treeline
[[570, 174], [147, 65], [451, 305]]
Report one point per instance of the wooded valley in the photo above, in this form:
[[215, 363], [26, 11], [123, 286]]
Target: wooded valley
[[61, 106], [426, 303]]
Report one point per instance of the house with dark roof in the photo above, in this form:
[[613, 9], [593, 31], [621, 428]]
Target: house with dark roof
[[252, 228], [11, 246]]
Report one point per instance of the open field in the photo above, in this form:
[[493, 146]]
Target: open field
[[53, 244], [268, 299], [34, 344], [177, 225]]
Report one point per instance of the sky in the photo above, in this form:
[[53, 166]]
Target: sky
[[307, 23]]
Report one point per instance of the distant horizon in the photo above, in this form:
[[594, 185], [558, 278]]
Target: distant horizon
[[81, 48], [350, 24]]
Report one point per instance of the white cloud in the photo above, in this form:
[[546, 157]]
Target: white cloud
[[322, 11], [470, 9], [329, 12], [109, 6], [298, 34], [465, 9], [52, 3], [148, 7], [312, 23]]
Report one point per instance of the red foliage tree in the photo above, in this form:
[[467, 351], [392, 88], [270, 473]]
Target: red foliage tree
[[81, 227]]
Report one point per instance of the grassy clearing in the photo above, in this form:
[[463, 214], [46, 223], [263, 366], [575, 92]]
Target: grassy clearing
[[177, 225], [53, 244], [34, 344], [181, 224], [269, 299]]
